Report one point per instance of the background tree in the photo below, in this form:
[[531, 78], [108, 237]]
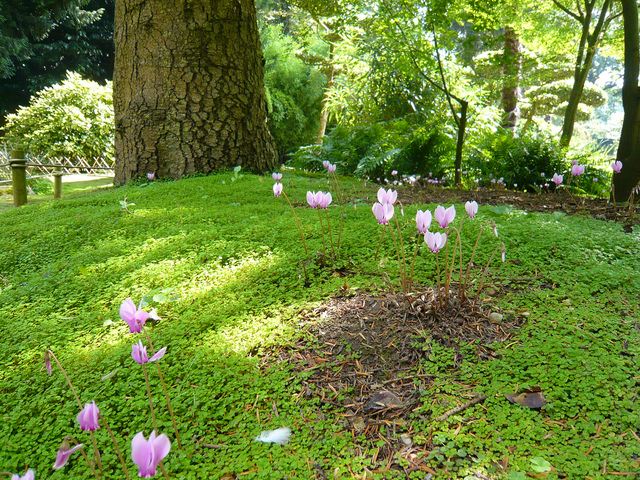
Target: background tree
[[40, 41], [188, 89], [627, 180]]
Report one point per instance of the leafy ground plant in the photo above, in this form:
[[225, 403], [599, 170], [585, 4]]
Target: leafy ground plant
[[239, 331]]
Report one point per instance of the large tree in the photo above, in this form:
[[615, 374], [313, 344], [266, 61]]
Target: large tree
[[625, 182], [188, 88]]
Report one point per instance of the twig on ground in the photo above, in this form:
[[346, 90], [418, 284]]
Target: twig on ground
[[460, 408]]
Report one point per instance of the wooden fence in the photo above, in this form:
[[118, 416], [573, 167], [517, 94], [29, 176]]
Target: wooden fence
[[16, 168]]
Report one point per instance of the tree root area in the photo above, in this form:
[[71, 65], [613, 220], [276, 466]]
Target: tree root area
[[368, 360]]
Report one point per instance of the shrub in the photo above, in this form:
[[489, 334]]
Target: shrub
[[520, 161], [71, 118]]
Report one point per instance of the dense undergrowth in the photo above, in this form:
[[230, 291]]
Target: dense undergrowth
[[231, 254]]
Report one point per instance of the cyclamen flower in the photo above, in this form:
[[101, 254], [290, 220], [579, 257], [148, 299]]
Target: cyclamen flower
[[277, 189], [557, 179], [64, 452], [313, 198], [435, 241], [139, 353], [47, 361], [150, 176], [276, 176], [135, 318], [331, 168], [387, 196], [444, 217], [471, 208], [146, 454], [30, 475], [394, 173], [616, 166], [383, 212], [326, 164], [423, 221], [325, 200], [88, 417], [577, 170]]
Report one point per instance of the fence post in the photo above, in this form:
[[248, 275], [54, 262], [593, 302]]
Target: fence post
[[18, 164], [57, 182]]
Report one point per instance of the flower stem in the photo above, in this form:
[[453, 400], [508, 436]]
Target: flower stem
[[473, 253], [415, 253], [438, 276], [324, 248], [475, 300], [330, 234], [299, 227], [73, 390], [153, 413], [344, 206], [166, 393], [162, 469], [115, 443], [404, 289], [82, 452], [380, 242], [403, 267], [97, 452]]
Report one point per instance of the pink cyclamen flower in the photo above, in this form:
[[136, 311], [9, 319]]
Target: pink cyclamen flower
[[313, 198], [616, 166], [64, 452], [435, 241], [331, 168], [277, 189], [30, 475], [47, 361], [444, 217], [135, 318], [276, 176], [326, 164], [557, 179], [577, 170], [387, 196], [383, 212], [423, 221], [394, 173], [146, 454], [325, 200], [88, 417], [139, 353], [150, 176], [471, 208]]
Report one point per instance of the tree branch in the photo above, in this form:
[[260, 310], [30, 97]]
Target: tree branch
[[579, 18]]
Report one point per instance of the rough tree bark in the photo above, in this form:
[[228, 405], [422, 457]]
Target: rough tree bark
[[511, 70], [629, 148], [188, 88]]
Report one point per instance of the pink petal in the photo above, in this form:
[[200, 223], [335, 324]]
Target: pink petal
[[159, 354]]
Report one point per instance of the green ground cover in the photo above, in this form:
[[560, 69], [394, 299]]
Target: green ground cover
[[228, 254]]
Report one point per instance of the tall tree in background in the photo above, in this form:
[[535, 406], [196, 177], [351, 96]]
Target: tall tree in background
[[594, 20], [511, 71], [188, 88], [629, 148], [40, 41]]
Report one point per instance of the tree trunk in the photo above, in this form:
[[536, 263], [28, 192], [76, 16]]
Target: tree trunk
[[629, 148], [324, 111], [188, 88], [586, 51], [511, 69]]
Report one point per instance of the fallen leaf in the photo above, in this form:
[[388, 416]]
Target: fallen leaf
[[530, 399]]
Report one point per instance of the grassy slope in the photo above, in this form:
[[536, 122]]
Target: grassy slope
[[231, 252]]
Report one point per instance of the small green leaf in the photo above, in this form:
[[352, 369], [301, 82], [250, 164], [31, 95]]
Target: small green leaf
[[539, 464]]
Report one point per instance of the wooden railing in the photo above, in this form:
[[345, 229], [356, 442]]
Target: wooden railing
[[15, 165]]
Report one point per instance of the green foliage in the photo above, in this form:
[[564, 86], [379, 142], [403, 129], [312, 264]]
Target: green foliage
[[220, 263], [294, 92], [72, 118], [520, 161], [374, 151]]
